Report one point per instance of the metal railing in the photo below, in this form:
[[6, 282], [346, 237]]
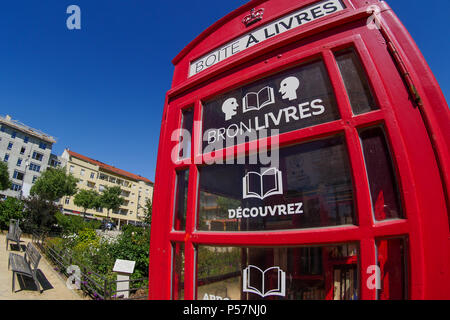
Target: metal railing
[[92, 284]]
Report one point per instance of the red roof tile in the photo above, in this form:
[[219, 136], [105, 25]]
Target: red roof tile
[[109, 168]]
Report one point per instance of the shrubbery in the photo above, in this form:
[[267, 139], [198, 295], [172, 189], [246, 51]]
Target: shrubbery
[[99, 254], [11, 208], [74, 224]]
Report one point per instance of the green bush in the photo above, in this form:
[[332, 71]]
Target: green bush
[[11, 208], [133, 244], [74, 224], [99, 255]]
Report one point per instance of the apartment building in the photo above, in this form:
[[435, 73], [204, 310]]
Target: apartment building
[[96, 175], [28, 153]]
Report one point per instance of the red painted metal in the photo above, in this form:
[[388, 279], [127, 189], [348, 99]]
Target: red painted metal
[[418, 134]]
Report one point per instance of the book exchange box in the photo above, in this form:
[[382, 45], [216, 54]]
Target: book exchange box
[[303, 155]]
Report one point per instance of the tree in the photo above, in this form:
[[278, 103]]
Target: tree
[[5, 183], [11, 208], [53, 184], [111, 199], [39, 214], [148, 212], [87, 199]]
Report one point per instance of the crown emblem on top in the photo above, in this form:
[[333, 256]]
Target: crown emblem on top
[[254, 16]]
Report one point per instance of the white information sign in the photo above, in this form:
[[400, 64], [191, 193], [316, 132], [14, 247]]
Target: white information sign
[[284, 24], [124, 266]]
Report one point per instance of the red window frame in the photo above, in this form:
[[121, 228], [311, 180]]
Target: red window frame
[[395, 115]]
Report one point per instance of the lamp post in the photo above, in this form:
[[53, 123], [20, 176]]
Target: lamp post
[[23, 180]]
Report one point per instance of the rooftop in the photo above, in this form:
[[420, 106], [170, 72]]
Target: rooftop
[[24, 128], [108, 167]]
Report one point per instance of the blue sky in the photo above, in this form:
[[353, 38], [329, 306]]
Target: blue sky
[[100, 90]]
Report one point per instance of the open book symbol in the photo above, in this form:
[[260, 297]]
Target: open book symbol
[[271, 282], [258, 100], [261, 186]]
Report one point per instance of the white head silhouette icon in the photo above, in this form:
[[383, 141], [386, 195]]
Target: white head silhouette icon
[[229, 108], [288, 88]]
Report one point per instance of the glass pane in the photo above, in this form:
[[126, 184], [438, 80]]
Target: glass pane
[[178, 271], [302, 273], [186, 134], [181, 193], [356, 83], [391, 259], [312, 187], [298, 98], [382, 181]]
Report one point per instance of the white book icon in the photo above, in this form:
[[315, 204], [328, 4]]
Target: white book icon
[[261, 186], [258, 100], [270, 282]]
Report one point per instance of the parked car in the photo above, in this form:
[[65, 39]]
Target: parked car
[[108, 225]]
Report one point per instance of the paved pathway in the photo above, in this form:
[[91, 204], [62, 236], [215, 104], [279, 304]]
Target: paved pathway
[[53, 284]]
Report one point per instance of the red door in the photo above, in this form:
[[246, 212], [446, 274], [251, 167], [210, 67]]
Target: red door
[[355, 205]]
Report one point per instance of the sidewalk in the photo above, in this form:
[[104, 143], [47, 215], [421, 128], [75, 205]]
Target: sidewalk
[[52, 284]]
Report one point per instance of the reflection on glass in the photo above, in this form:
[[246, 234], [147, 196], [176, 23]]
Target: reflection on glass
[[181, 193], [187, 123], [178, 271], [356, 83], [311, 188], [383, 183], [391, 258], [303, 273]]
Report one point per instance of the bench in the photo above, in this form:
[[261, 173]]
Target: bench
[[25, 265], [14, 233]]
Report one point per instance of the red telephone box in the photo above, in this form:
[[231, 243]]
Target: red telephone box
[[303, 155]]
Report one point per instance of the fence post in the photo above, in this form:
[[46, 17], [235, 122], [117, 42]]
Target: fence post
[[105, 293]]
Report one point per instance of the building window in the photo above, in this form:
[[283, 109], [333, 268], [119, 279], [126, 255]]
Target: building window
[[26, 139], [42, 145], [6, 158], [22, 150], [10, 145], [2, 129], [18, 175], [34, 179], [37, 156], [14, 134], [35, 167], [82, 172], [19, 162], [67, 201], [16, 187], [71, 169], [92, 175], [55, 163]]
